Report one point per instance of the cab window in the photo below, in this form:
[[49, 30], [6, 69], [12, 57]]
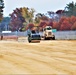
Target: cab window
[[49, 28]]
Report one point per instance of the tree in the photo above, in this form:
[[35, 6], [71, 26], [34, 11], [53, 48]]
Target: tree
[[73, 26], [28, 14], [60, 22], [42, 17], [30, 26], [17, 20], [65, 25], [55, 25], [21, 17], [5, 24], [60, 13], [51, 14], [70, 9], [55, 16], [1, 9], [72, 19]]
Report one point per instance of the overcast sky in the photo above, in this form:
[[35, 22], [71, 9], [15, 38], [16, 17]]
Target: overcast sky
[[41, 6]]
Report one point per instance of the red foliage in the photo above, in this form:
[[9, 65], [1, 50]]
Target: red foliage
[[42, 24], [65, 25], [55, 25], [61, 20], [50, 24], [73, 26], [72, 19], [16, 20], [30, 26], [59, 11]]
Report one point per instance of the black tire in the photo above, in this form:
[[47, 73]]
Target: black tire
[[29, 40], [45, 38], [53, 38]]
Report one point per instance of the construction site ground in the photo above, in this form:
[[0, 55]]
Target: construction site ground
[[47, 57]]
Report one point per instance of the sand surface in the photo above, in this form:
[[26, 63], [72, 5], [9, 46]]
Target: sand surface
[[47, 57]]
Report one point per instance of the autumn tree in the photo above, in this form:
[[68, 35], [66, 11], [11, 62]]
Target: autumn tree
[[21, 17], [55, 25], [28, 14], [72, 19], [17, 20], [60, 22], [59, 14], [30, 26], [36, 21], [73, 22], [42, 17], [65, 25], [41, 21], [73, 26]]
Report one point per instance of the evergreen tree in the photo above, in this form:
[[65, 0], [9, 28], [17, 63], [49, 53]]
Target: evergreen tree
[[70, 9], [1, 9]]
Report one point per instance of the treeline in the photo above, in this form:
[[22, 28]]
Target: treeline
[[21, 20], [65, 23], [25, 18]]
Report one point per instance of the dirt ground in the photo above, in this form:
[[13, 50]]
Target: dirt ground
[[47, 57]]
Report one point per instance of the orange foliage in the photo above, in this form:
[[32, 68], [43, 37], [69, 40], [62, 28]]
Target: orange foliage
[[72, 19], [30, 26], [73, 26], [65, 23], [42, 24], [55, 25]]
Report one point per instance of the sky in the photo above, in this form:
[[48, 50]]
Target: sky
[[40, 6]]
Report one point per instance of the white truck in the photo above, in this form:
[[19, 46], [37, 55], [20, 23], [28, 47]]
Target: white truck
[[47, 33]]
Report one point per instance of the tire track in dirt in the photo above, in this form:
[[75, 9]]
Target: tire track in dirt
[[27, 62], [29, 59], [40, 60]]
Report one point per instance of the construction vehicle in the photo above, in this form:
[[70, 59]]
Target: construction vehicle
[[33, 36], [47, 33]]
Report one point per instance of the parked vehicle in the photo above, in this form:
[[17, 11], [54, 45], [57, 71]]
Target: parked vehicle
[[33, 36], [47, 33]]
